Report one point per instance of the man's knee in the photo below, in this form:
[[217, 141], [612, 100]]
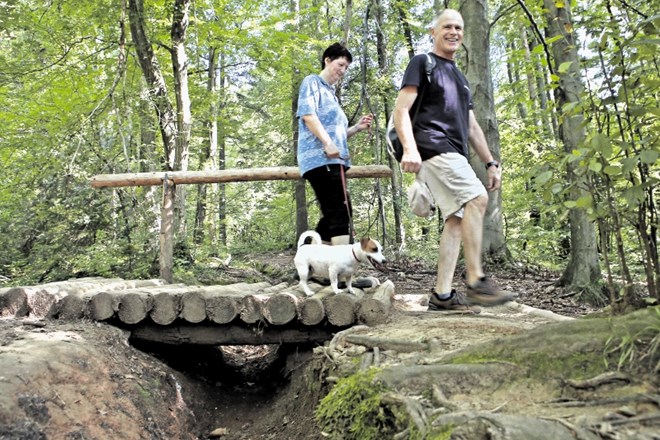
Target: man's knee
[[480, 203]]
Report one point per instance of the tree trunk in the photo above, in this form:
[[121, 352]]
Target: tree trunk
[[396, 184], [183, 113], [513, 76], [475, 15], [221, 162], [583, 269], [348, 21], [155, 81], [206, 159], [180, 74], [405, 26], [383, 70], [174, 128], [299, 188], [536, 77]]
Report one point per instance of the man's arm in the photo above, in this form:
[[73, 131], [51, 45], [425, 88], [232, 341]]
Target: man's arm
[[478, 141], [411, 161]]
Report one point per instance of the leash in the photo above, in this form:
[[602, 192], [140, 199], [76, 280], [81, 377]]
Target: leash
[[348, 208]]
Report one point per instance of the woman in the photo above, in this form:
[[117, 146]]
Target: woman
[[323, 143]]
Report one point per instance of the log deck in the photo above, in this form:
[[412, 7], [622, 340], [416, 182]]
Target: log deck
[[235, 314]]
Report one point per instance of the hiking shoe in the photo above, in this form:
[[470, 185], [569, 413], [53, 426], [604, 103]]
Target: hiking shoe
[[456, 302], [488, 294]]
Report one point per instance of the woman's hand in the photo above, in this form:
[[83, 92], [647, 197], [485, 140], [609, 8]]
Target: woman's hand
[[331, 150], [365, 122]]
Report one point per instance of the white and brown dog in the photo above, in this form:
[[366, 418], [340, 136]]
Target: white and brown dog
[[334, 262]]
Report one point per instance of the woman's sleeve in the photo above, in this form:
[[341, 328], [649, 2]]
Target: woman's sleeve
[[307, 98]]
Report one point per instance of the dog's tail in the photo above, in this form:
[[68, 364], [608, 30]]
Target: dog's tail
[[313, 235]]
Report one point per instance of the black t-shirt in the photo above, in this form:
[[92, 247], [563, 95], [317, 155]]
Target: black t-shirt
[[442, 122]]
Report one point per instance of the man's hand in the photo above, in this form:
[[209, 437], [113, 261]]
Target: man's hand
[[494, 179], [411, 162]]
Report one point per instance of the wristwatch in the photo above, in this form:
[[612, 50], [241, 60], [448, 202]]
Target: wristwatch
[[494, 163]]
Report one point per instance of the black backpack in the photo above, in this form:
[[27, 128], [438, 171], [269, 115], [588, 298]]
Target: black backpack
[[394, 145]]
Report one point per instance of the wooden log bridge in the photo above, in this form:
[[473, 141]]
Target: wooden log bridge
[[170, 179], [234, 314]]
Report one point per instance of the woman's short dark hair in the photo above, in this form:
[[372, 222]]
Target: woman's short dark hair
[[335, 51]]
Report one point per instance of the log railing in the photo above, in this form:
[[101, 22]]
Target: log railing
[[170, 179]]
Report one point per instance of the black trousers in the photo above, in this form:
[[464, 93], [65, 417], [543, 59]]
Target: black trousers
[[327, 185]]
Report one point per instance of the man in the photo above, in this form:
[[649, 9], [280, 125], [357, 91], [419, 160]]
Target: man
[[436, 148]]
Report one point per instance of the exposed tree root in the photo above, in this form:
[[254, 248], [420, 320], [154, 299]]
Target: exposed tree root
[[601, 379], [538, 312], [387, 344], [486, 425], [638, 398]]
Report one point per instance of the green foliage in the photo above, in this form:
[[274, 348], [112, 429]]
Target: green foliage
[[354, 410], [611, 168]]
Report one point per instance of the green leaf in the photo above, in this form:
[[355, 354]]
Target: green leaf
[[601, 144], [612, 170], [557, 188], [648, 156], [543, 177], [595, 166], [637, 110], [538, 49], [584, 201], [629, 164], [565, 67]]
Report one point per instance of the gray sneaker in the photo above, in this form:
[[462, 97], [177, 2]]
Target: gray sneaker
[[488, 294], [456, 302]]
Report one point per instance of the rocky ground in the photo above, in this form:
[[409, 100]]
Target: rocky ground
[[85, 380]]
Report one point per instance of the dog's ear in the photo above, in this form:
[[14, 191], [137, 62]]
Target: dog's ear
[[364, 242]]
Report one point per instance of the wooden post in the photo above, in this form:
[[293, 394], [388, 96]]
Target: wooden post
[[167, 230]]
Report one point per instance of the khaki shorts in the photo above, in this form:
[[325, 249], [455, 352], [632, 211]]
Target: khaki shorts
[[452, 182]]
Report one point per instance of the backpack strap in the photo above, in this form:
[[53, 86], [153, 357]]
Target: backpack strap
[[429, 66]]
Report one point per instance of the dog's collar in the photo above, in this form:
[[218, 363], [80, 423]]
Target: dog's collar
[[355, 256]]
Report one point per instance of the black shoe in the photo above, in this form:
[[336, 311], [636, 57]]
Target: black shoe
[[321, 281], [487, 293], [363, 283], [456, 302]]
